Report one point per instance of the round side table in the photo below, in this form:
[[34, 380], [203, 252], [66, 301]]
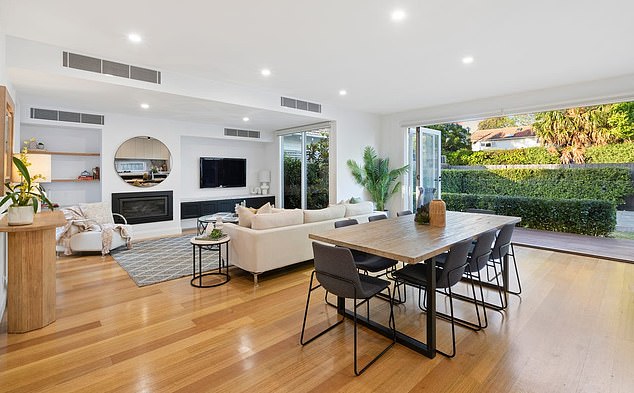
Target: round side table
[[223, 263]]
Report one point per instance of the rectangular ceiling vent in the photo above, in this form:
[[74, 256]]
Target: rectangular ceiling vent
[[106, 67], [242, 133], [301, 105], [73, 117]]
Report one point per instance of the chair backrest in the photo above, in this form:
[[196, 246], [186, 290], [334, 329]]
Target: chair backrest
[[454, 266], [336, 271], [377, 217], [502, 244], [482, 251], [345, 223], [404, 213]]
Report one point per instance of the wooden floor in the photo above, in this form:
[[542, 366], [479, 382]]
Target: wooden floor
[[621, 250], [571, 331]]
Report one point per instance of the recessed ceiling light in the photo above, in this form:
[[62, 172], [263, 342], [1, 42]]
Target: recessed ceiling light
[[398, 15], [342, 92], [265, 72], [245, 119], [134, 37], [145, 106], [467, 59]]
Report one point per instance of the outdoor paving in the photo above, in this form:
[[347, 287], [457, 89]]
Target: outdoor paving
[[625, 221], [594, 246]]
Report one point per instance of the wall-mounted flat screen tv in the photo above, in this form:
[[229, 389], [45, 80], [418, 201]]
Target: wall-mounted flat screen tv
[[223, 172]]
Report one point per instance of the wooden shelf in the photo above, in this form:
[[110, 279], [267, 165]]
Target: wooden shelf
[[72, 180], [63, 153]]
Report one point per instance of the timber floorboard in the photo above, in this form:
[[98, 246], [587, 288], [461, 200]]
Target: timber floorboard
[[570, 331]]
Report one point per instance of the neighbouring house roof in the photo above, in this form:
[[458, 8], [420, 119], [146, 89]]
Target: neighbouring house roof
[[502, 133]]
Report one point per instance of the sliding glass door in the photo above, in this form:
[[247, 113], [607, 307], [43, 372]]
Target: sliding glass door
[[304, 156], [424, 153]]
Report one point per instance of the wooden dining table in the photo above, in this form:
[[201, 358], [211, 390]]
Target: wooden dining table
[[402, 239]]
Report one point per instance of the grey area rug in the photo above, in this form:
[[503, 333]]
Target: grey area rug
[[153, 261]]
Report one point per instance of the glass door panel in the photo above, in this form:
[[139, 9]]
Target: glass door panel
[[424, 153], [292, 170], [316, 143]]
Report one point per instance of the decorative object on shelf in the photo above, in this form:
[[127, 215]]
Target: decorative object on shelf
[[30, 144], [40, 146], [425, 196], [26, 195], [376, 176], [255, 190], [265, 178], [437, 213], [95, 173], [85, 175]]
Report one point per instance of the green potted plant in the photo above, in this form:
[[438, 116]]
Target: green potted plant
[[25, 195], [376, 177]]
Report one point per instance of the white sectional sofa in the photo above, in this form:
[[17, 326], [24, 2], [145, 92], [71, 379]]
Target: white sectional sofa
[[271, 244]]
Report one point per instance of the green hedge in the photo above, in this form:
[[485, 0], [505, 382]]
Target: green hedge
[[607, 184], [618, 154], [588, 217]]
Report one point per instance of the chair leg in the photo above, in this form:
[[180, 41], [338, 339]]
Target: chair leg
[[453, 330], [391, 323], [310, 290], [517, 272], [486, 321]]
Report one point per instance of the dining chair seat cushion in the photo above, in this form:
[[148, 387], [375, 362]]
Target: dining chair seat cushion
[[413, 274], [373, 263]]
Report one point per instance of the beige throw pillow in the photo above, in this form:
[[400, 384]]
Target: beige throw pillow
[[246, 214], [276, 220], [357, 209], [99, 212], [330, 213]]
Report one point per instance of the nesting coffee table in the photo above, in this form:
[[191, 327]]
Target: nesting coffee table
[[204, 221]]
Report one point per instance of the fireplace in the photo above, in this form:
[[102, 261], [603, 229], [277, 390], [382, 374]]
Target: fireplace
[[143, 207]]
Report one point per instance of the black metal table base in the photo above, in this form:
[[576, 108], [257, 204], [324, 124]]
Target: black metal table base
[[223, 264]]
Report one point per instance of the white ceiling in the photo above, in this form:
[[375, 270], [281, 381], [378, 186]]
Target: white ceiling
[[316, 48]]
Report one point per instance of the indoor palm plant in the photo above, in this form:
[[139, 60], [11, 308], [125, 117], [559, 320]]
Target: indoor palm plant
[[379, 180], [24, 195]]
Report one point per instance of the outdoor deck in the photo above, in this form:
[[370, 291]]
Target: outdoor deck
[[605, 248]]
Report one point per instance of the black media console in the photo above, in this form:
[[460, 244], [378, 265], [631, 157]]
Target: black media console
[[203, 208]]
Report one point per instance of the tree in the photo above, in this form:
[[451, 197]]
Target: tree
[[571, 130], [454, 137], [496, 122], [621, 120], [376, 176]]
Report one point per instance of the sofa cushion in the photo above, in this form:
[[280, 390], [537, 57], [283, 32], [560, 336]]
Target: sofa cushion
[[276, 220], [100, 212], [246, 214], [329, 213], [357, 209]]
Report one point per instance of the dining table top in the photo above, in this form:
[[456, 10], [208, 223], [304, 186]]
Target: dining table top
[[402, 239]]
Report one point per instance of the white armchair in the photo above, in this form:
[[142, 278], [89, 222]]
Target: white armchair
[[91, 227]]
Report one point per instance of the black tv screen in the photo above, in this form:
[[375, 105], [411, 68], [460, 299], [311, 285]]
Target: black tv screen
[[223, 172]]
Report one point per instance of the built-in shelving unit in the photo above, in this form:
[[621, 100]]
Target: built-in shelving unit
[[73, 149]]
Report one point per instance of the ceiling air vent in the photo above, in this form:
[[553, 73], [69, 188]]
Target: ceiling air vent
[[301, 105], [107, 67], [72, 117], [242, 133]]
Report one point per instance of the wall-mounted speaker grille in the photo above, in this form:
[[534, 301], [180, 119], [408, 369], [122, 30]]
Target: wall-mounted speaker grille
[[301, 105], [73, 117], [242, 133], [107, 67]]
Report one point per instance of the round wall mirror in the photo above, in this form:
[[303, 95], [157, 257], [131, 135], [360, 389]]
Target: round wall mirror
[[143, 161]]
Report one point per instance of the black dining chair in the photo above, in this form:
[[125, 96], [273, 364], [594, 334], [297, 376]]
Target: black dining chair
[[511, 254], [336, 272], [377, 217], [404, 213], [447, 275], [501, 248]]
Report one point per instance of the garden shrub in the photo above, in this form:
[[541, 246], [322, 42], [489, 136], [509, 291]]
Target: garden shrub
[[616, 154], [606, 184], [529, 155], [583, 216]]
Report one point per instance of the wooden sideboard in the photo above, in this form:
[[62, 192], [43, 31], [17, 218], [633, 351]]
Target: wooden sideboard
[[31, 272]]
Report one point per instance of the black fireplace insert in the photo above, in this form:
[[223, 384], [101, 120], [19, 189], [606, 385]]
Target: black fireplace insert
[[144, 207]]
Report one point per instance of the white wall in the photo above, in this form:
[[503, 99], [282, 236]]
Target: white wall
[[186, 142]]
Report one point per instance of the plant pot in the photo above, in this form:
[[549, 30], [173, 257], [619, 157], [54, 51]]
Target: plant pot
[[20, 215]]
